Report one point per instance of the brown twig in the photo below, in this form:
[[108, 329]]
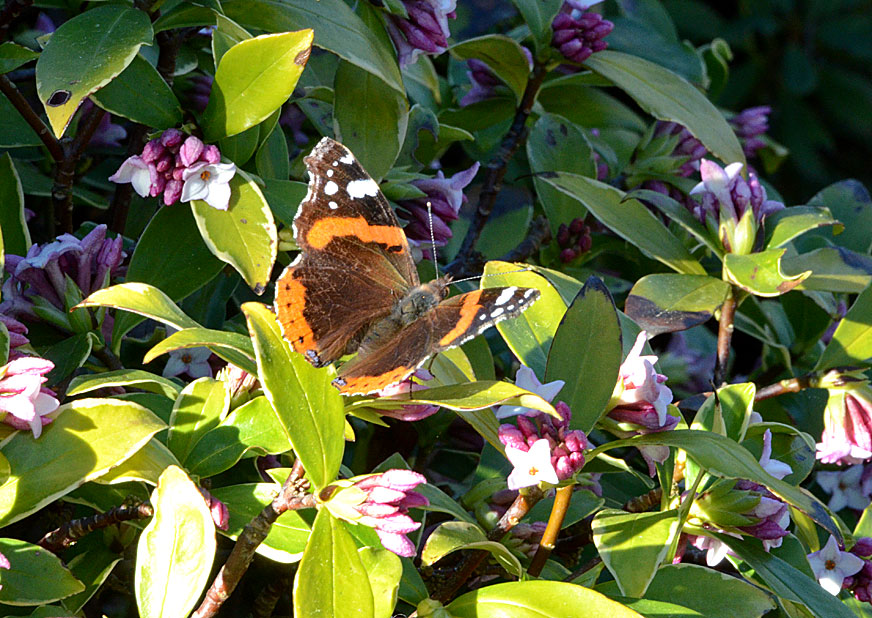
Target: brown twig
[[555, 522], [11, 10], [61, 538], [725, 336], [266, 601], [792, 385], [105, 356], [583, 569], [538, 235], [496, 168], [294, 495], [42, 131]]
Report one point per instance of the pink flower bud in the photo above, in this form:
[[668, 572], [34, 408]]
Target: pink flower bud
[[172, 192], [171, 138], [190, 151], [153, 151], [211, 154]]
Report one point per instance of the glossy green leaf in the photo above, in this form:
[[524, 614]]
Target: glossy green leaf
[[16, 236], [13, 55], [528, 336], [453, 536], [337, 29], [384, 569], [227, 34], [88, 438], [558, 145], [668, 96], [666, 303], [177, 272], [253, 425], [86, 53], [833, 269], [331, 580], [233, 347], [725, 596], [586, 354], [124, 377], [146, 465], [284, 197], [244, 235], [679, 213], [785, 225], [175, 551], [35, 576], [370, 116], [761, 273], [199, 408], [502, 54], [287, 536], [14, 130], [254, 78], [184, 15], [537, 599], [307, 405], [241, 147], [632, 545], [852, 342], [68, 355], [629, 219], [850, 203], [539, 14], [140, 94], [272, 159]]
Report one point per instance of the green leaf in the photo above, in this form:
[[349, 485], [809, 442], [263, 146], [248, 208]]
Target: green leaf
[[16, 236], [668, 96], [849, 202], [761, 273], [232, 347], [629, 219], [284, 197], [287, 536], [254, 78], [177, 273], [35, 576], [852, 342], [13, 55], [145, 466], [252, 426], [175, 551], [272, 159], [785, 225], [453, 536], [331, 580], [308, 407], [14, 130], [558, 145], [124, 377], [88, 437], [370, 116], [199, 408], [667, 303], [84, 54], [92, 567], [632, 545], [528, 336], [140, 94], [539, 14], [537, 599], [68, 355], [467, 396], [503, 55], [384, 569], [833, 269], [674, 211], [586, 354], [244, 235], [337, 29], [241, 147], [184, 15]]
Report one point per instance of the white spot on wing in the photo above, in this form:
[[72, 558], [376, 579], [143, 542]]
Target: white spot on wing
[[482, 317], [331, 188], [347, 159], [529, 293], [329, 173], [359, 188], [497, 312], [333, 205], [335, 163], [505, 296]]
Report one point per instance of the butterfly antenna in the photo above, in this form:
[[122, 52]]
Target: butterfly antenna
[[432, 237], [508, 272]]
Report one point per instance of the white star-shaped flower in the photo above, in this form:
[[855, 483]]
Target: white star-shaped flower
[[192, 361], [531, 466], [135, 171], [208, 182], [831, 566], [526, 378], [845, 488]]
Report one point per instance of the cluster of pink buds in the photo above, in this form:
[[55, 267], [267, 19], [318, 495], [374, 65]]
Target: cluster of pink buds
[[750, 125], [542, 448], [17, 336], [573, 239], [180, 168], [578, 33]]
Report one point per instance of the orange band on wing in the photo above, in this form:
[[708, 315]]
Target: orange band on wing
[[290, 299], [368, 384], [326, 229], [468, 310]]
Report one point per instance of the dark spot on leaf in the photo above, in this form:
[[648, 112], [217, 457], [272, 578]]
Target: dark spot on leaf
[[564, 129], [243, 220], [303, 56], [754, 273], [655, 320], [58, 98], [786, 286], [549, 138]]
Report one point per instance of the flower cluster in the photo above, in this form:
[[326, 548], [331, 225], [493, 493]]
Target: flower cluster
[[858, 583], [38, 285], [730, 206], [526, 378], [542, 448], [833, 567], [687, 150], [851, 487], [424, 31], [484, 81], [573, 239], [382, 502], [182, 168], [847, 436], [445, 197], [577, 33], [411, 412], [24, 402], [749, 125]]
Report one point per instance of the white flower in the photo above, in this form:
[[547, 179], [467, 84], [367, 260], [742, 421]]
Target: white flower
[[526, 378], [831, 566], [776, 468], [208, 182], [193, 361], [531, 466], [716, 550], [845, 487], [641, 382], [137, 172]]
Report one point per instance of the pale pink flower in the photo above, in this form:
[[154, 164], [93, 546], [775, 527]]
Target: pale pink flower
[[22, 398]]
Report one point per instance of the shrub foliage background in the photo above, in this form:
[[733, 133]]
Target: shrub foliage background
[[166, 453]]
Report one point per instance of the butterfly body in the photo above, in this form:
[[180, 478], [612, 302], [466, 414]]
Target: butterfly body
[[355, 288]]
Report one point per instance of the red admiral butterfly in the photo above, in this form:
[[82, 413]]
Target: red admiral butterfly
[[354, 286]]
